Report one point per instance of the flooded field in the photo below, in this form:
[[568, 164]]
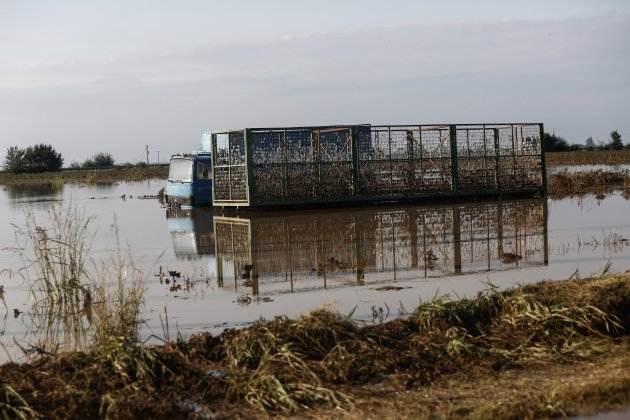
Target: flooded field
[[587, 168], [221, 270]]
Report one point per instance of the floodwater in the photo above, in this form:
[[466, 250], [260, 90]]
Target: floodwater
[[231, 268]]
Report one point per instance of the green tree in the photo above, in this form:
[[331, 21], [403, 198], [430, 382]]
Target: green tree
[[103, 160], [615, 141], [14, 160], [554, 143], [99, 161], [42, 158]]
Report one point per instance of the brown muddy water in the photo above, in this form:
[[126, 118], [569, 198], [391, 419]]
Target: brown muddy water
[[373, 262]]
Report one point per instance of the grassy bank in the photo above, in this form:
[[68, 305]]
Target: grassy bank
[[596, 157], [98, 176], [566, 183], [549, 349]]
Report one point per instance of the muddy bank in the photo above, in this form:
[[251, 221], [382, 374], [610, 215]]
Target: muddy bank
[[565, 184], [504, 342], [97, 176]]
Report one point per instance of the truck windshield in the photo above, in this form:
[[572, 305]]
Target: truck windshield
[[180, 170]]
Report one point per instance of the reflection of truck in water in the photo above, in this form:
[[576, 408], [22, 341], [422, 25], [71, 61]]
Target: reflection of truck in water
[[192, 232], [189, 180]]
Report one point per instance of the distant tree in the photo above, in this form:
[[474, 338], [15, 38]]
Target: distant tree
[[99, 161], [42, 158], [590, 143], [14, 160], [554, 143], [615, 141], [103, 160], [88, 164], [75, 165]]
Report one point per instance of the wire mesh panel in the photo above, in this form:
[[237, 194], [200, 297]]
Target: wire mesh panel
[[499, 157], [405, 161], [298, 165], [229, 169]]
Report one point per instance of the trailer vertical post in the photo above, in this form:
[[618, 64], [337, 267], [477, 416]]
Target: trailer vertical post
[[452, 132], [542, 158], [354, 133], [249, 165]]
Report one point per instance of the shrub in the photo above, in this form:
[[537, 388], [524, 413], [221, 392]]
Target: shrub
[[37, 158], [88, 164], [14, 160], [103, 160], [99, 161], [554, 143], [615, 141]]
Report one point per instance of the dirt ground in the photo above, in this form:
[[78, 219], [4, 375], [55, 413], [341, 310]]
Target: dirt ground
[[556, 390]]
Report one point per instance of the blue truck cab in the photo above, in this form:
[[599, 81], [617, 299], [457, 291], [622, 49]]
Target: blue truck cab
[[189, 180]]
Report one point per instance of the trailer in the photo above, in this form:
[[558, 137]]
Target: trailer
[[328, 165]]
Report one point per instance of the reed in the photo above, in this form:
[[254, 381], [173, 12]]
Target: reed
[[566, 183], [77, 302]]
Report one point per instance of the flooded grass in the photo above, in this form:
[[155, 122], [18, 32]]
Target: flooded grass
[[325, 361], [76, 302], [596, 157], [564, 184], [99, 176]]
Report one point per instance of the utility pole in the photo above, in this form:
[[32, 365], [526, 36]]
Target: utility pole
[[147, 150], [158, 159]]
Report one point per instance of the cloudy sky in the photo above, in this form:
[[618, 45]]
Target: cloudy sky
[[115, 75]]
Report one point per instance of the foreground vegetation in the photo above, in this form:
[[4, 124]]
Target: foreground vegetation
[[540, 350], [101, 176], [549, 349]]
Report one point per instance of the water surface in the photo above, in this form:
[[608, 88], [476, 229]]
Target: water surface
[[234, 268]]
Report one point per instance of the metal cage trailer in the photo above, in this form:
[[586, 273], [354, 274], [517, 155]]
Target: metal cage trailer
[[299, 166]]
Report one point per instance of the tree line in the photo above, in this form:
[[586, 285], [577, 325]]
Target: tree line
[[555, 143], [44, 158]]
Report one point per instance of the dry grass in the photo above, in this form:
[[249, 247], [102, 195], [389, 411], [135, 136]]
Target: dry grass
[[76, 302], [98, 176], [565, 183], [596, 157], [324, 361]]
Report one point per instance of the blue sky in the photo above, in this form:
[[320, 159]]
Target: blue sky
[[116, 75]]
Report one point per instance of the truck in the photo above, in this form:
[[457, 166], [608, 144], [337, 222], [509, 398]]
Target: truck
[[189, 181]]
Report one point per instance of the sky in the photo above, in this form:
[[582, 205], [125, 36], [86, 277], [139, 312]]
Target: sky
[[116, 75]]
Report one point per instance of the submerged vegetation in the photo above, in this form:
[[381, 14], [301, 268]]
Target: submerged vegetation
[[75, 302], [324, 361]]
